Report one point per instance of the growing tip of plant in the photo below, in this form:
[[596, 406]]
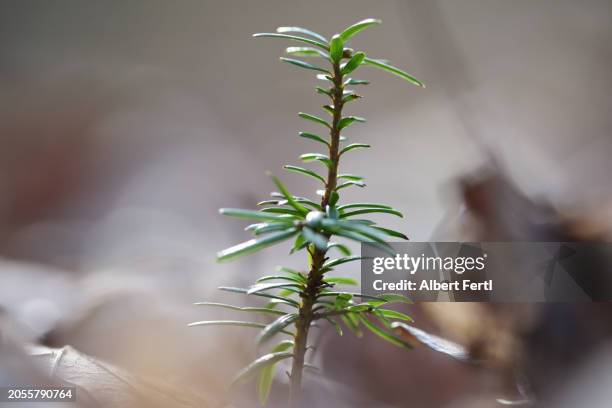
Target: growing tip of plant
[[336, 48]]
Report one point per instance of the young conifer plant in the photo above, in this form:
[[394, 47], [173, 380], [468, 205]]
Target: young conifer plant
[[297, 299]]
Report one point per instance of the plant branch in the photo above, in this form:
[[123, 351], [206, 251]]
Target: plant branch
[[315, 276]]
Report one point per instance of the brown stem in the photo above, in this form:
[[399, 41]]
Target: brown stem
[[315, 276], [334, 156]]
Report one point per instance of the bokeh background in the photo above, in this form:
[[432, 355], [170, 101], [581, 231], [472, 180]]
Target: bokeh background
[[125, 125]]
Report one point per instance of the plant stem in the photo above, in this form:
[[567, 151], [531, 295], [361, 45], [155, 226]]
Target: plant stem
[[315, 276]]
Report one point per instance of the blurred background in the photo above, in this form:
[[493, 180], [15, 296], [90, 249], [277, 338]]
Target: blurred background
[[125, 125]]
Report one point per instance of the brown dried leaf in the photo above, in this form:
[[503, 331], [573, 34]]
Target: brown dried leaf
[[100, 384], [416, 336]]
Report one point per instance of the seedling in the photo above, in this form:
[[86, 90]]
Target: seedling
[[297, 299]]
